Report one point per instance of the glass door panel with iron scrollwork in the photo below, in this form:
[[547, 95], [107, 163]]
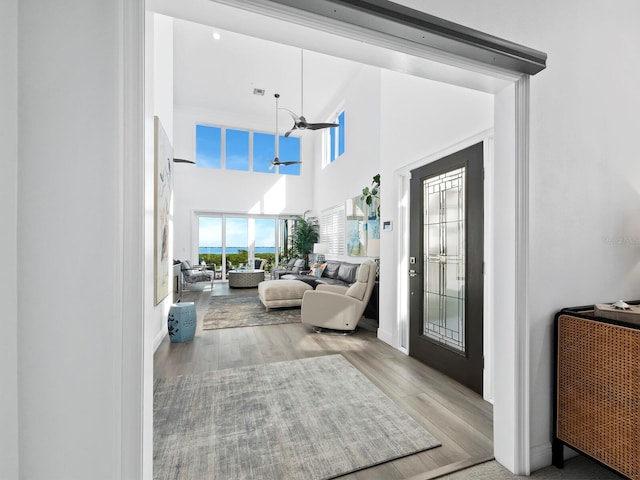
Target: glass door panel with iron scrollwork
[[444, 259]]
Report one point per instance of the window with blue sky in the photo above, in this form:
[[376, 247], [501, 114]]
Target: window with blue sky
[[263, 152], [236, 150], [237, 154], [335, 140], [208, 146], [289, 152]]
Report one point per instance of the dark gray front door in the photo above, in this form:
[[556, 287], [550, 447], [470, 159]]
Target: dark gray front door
[[446, 263]]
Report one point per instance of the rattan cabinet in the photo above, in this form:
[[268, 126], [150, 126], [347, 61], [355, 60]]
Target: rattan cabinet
[[597, 390]]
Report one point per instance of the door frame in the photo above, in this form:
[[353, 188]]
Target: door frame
[[511, 413], [402, 179], [466, 366]]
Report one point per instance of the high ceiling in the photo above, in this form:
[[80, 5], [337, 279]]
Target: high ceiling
[[220, 75]]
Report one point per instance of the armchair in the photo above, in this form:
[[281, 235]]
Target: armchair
[[191, 274], [331, 307], [293, 266]]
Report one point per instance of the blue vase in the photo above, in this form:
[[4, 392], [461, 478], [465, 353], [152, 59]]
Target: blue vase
[[182, 322]]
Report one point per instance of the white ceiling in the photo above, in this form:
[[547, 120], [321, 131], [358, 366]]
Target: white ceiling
[[262, 50], [220, 75]]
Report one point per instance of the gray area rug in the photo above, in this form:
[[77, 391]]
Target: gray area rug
[[315, 418], [228, 311]]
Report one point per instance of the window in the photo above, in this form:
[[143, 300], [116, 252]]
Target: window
[[289, 152], [335, 140], [237, 150], [208, 146], [263, 152], [244, 150], [232, 240], [332, 221]]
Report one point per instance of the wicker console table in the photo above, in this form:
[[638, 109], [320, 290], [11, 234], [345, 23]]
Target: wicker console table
[[245, 278], [597, 390]]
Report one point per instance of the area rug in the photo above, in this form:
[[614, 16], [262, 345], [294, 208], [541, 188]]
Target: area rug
[[228, 311], [314, 418]]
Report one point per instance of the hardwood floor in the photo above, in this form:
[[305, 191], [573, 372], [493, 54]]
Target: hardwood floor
[[459, 418]]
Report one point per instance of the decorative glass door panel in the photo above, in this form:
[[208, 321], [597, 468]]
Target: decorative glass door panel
[[444, 259]]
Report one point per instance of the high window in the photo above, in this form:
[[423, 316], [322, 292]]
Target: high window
[[335, 140], [244, 150]]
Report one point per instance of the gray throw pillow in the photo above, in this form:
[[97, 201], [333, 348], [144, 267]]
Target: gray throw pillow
[[331, 270], [347, 272]]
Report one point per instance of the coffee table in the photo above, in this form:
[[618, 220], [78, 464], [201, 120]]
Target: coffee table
[[245, 278]]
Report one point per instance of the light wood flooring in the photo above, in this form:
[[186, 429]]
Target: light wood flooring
[[459, 418]]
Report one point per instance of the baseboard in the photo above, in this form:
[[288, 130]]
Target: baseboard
[[386, 337], [159, 338], [540, 456]]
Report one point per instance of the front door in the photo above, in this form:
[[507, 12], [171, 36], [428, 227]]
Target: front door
[[446, 265]]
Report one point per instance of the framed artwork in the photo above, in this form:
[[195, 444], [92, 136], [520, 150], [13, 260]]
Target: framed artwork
[[362, 227], [163, 153]]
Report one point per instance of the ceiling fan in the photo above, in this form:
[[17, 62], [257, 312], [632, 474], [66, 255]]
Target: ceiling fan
[[276, 161], [299, 122]]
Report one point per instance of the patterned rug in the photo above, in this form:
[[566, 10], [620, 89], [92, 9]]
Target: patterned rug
[[315, 418], [228, 311]]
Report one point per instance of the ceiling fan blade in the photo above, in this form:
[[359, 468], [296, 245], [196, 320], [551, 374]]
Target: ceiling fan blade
[[291, 131], [295, 117], [289, 163], [318, 126]]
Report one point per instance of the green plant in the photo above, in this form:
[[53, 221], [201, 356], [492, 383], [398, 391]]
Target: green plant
[[371, 193], [305, 235]]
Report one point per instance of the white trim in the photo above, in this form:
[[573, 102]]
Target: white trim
[[136, 406], [160, 335], [522, 464], [521, 339], [372, 37], [489, 286], [405, 170], [541, 456], [402, 294]]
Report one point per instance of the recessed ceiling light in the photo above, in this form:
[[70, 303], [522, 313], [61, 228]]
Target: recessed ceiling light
[[258, 91], [216, 36]]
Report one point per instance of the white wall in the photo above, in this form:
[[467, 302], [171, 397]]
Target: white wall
[[158, 102], [584, 169], [347, 175], [203, 189], [418, 119], [8, 239], [69, 249]]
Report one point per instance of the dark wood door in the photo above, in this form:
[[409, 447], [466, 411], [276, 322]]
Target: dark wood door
[[446, 265]]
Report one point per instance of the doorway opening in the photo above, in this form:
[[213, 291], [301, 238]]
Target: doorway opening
[[516, 217]]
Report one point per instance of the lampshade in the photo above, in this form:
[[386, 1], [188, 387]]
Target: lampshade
[[373, 248], [321, 247]]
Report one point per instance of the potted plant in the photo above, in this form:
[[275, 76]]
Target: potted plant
[[305, 235], [371, 193]]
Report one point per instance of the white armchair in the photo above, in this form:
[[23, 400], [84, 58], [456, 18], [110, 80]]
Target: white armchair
[[339, 308]]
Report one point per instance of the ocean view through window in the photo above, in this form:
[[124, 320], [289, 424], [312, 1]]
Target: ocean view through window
[[231, 241]]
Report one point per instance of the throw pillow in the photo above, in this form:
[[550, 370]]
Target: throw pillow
[[317, 269]]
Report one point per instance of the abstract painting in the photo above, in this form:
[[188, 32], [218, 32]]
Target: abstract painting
[[163, 153]]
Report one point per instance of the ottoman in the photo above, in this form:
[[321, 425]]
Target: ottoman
[[282, 293]]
